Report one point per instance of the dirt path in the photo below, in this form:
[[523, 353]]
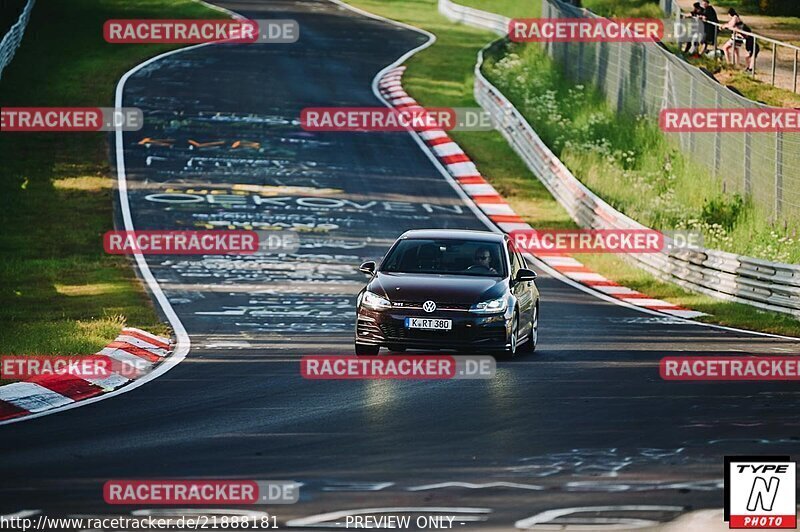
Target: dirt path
[[786, 29]]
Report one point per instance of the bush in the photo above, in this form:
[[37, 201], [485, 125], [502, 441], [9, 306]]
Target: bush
[[780, 7], [630, 163], [723, 211]]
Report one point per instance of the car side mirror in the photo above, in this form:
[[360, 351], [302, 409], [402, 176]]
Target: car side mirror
[[524, 275], [368, 267]]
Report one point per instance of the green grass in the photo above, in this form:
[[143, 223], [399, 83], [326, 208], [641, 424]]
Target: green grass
[[625, 8], [743, 7], [760, 91], [787, 24], [746, 84], [509, 8], [533, 8], [753, 7], [627, 161], [60, 293], [442, 76]]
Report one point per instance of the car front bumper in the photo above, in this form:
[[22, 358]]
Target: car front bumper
[[470, 332]]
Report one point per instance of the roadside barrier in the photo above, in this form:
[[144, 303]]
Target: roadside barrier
[[644, 78], [760, 283], [12, 39]]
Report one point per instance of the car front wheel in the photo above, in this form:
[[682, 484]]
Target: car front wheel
[[533, 338], [511, 350]]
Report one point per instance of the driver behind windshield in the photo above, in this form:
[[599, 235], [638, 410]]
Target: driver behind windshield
[[482, 260]]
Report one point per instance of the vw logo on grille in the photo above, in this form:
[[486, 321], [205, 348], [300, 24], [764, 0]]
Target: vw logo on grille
[[429, 306]]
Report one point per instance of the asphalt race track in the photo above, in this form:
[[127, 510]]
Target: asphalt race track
[[585, 421]]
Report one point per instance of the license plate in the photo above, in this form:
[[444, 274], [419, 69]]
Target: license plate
[[429, 323]]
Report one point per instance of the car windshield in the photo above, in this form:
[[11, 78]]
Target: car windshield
[[446, 257]]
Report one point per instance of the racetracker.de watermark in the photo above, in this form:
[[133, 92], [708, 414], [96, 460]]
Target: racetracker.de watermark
[[715, 120], [88, 367], [196, 31], [412, 118], [585, 30], [214, 242], [417, 367], [201, 492], [730, 368], [70, 119], [544, 241]]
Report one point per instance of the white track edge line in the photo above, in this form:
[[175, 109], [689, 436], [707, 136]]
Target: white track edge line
[[183, 343], [490, 225]]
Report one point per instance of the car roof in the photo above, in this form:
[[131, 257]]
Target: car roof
[[453, 234]]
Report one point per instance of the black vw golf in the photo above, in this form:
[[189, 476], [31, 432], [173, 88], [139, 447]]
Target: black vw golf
[[449, 290]]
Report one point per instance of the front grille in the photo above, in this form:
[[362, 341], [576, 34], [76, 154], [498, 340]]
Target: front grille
[[366, 328], [416, 305], [396, 330]]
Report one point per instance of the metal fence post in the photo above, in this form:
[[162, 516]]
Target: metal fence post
[[717, 138], [794, 77], [774, 61], [778, 175], [716, 46], [747, 185], [643, 107], [692, 91], [756, 48], [620, 103]]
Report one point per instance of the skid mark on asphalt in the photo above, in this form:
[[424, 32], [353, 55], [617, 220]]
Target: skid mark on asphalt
[[474, 486], [603, 462], [600, 517]]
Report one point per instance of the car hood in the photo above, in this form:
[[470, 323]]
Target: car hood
[[460, 289]]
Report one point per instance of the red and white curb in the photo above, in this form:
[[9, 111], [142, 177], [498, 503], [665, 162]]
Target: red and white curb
[[39, 394], [496, 209]]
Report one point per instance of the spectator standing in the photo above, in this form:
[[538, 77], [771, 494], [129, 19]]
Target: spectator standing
[[709, 15], [751, 46], [731, 48], [693, 44]]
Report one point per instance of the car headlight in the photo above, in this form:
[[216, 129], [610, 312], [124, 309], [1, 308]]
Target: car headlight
[[492, 306], [375, 302]]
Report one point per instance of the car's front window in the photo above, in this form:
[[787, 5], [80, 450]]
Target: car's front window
[[446, 257]]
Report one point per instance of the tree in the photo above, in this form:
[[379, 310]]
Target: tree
[[780, 7]]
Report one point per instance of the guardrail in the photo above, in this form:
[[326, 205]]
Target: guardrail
[[12, 39], [763, 284], [474, 17]]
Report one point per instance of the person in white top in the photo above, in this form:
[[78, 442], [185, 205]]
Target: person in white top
[[731, 48]]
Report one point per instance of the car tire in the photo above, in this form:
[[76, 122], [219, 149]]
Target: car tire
[[533, 338], [396, 348], [510, 352], [365, 350]]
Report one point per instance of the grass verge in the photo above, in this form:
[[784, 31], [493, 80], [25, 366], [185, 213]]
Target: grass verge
[[60, 293], [748, 86], [630, 163], [441, 76], [625, 8]]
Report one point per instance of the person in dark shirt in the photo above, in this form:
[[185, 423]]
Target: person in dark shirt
[[751, 46], [693, 44], [709, 15], [731, 48]]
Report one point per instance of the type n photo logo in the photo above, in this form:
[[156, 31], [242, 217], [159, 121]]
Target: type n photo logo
[[760, 492]]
